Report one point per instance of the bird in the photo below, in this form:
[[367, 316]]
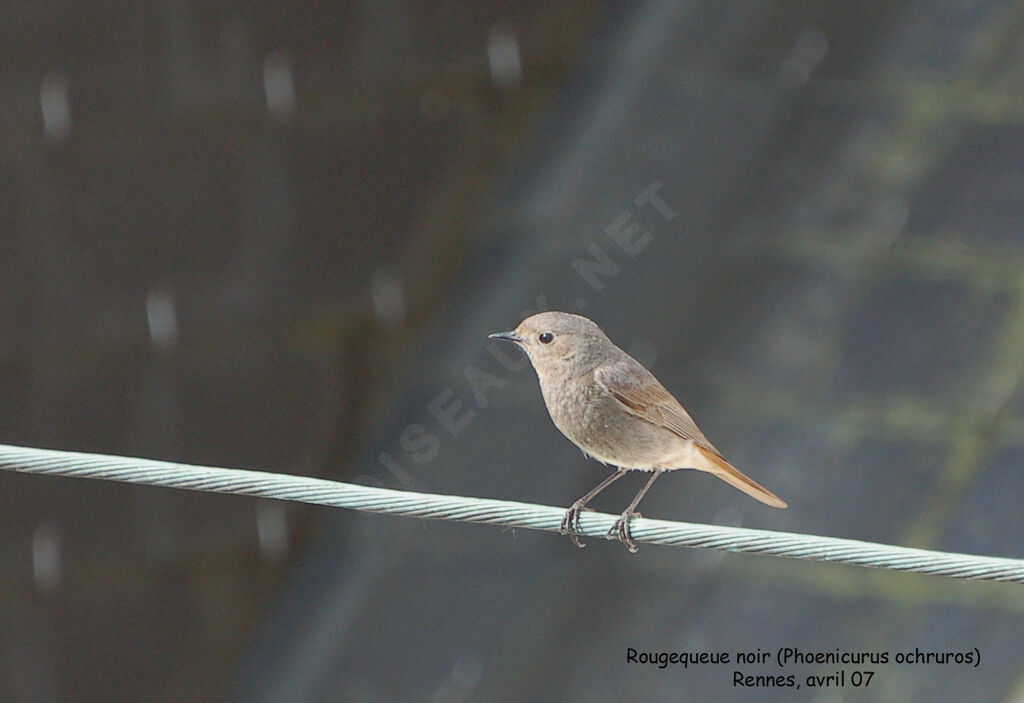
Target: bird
[[614, 409]]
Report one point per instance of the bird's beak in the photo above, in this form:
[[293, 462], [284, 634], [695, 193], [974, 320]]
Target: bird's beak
[[512, 336]]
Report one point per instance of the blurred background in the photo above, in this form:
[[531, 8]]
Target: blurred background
[[275, 235]]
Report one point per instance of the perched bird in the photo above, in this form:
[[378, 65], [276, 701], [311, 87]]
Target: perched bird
[[610, 406]]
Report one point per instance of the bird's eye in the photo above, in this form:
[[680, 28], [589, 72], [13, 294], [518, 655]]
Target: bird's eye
[[546, 338]]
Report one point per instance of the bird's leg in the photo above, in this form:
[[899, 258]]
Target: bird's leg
[[621, 526], [571, 520]]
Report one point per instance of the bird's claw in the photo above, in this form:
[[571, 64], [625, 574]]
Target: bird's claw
[[620, 529], [571, 523]]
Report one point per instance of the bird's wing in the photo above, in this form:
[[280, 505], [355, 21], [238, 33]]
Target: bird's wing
[[641, 394]]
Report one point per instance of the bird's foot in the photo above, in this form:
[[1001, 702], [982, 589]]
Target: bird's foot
[[621, 530], [571, 522]]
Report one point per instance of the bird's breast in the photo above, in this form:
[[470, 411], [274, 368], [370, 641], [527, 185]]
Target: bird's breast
[[586, 413], [574, 406]]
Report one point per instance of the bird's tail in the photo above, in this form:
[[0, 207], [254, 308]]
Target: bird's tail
[[717, 465]]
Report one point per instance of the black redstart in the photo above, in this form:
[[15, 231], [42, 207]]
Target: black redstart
[[610, 406]]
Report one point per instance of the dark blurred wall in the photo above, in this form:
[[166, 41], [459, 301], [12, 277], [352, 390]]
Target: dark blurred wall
[[275, 235]]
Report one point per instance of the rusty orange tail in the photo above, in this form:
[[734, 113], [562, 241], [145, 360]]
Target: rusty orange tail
[[721, 468]]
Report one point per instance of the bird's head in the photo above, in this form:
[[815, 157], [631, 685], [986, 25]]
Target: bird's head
[[556, 341]]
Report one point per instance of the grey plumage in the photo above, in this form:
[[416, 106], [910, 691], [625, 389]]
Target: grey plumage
[[614, 409]]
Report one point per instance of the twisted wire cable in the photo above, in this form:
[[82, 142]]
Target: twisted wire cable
[[501, 512]]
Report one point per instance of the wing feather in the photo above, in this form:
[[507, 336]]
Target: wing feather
[[642, 394]]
